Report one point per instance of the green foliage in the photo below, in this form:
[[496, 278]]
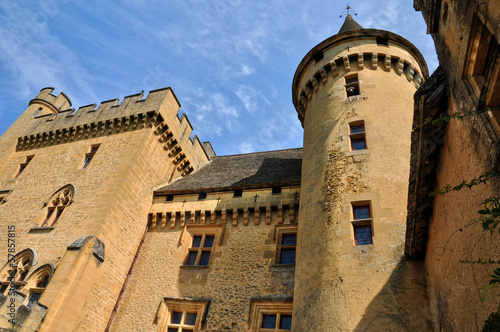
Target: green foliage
[[490, 214], [483, 178], [429, 121]]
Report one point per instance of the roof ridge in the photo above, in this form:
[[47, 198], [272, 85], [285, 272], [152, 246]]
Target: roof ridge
[[257, 152]]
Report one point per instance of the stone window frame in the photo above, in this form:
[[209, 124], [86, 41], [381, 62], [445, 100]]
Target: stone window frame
[[278, 235], [56, 207], [488, 74], [3, 196], [170, 305], [358, 223], [34, 283], [90, 155], [14, 272], [357, 135], [352, 85], [261, 307], [190, 232], [22, 166], [486, 94]]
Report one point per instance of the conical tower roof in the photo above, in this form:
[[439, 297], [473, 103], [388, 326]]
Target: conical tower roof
[[350, 25]]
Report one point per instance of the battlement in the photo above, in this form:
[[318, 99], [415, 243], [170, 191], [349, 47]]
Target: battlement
[[49, 103], [158, 111]]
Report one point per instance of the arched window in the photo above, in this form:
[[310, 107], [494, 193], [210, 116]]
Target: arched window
[[37, 283], [15, 271], [57, 204]]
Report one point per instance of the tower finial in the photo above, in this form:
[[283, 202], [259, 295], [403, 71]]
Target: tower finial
[[348, 11]]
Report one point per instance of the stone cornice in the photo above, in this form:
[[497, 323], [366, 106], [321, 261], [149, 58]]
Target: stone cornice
[[301, 98], [111, 126], [269, 214]]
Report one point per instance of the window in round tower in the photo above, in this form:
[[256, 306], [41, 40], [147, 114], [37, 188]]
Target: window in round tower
[[352, 85], [357, 135]]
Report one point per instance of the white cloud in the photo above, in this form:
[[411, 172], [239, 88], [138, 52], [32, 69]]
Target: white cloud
[[246, 147], [247, 70]]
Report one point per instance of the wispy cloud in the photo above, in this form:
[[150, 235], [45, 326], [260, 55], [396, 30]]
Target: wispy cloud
[[230, 62]]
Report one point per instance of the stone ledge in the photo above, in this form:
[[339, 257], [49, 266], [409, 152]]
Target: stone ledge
[[41, 229]]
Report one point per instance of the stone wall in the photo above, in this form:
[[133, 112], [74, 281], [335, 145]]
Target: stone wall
[[112, 200], [340, 285], [242, 267]]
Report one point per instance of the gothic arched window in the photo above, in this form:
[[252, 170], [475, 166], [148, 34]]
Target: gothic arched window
[[37, 283], [15, 271], [57, 204]]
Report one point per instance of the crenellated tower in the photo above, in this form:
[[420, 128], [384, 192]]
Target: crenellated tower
[[354, 96], [76, 187]]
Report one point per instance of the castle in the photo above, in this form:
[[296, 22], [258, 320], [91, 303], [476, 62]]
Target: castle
[[115, 219]]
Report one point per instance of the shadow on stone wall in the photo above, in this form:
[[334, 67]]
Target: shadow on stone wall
[[402, 304]]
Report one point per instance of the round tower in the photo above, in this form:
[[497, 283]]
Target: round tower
[[354, 96]]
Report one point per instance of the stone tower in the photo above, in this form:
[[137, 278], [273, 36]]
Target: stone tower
[[354, 96], [76, 189]]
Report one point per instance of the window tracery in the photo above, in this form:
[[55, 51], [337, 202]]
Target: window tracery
[[57, 204]]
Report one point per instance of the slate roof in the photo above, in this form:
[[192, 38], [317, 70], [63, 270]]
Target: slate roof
[[350, 25], [242, 171]]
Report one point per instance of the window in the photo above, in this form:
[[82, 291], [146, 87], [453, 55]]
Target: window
[[479, 54], [169, 198], [276, 322], [176, 315], [357, 135], [37, 112], [362, 223], [202, 196], [287, 243], [37, 283], [22, 166], [238, 193], [271, 315], [15, 271], [352, 85], [3, 195], [56, 205], [384, 41], [276, 190], [481, 71], [89, 156], [201, 249], [182, 321]]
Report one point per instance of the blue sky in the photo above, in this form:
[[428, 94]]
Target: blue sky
[[230, 62]]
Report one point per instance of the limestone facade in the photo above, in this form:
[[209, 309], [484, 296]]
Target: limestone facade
[[445, 231], [115, 219]]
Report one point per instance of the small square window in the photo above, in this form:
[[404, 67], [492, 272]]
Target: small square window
[[169, 198], [357, 135], [268, 321], [201, 250], [362, 223], [175, 315], [271, 315], [287, 243], [363, 234], [238, 193], [352, 85], [202, 196], [361, 212], [276, 190]]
